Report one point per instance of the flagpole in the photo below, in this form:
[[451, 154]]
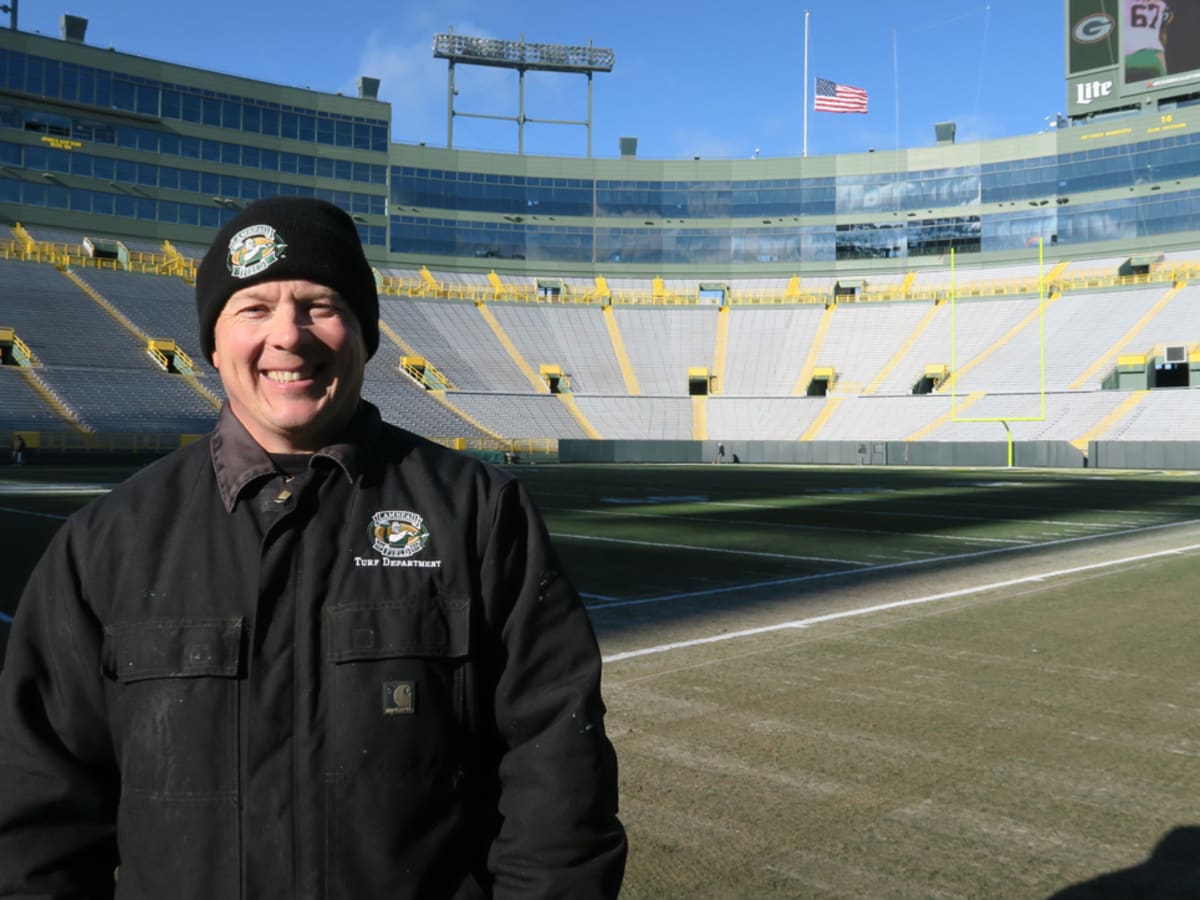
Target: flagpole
[[805, 150]]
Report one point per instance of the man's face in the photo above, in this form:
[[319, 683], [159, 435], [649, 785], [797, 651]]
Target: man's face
[[291, 357]]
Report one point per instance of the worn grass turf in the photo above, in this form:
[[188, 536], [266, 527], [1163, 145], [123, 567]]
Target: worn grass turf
[[879, 682]]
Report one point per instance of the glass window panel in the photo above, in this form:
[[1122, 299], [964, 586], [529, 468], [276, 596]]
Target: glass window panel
[[210, 111], [81, 164], [192, 109], [147, 100], [58, 197], [69, 87], [289, 125], [251, 119], [124, 96], [102, 203], [172, 104], [104, 83]]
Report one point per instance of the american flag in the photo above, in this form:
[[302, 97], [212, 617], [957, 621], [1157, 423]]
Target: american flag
[[839, 98]]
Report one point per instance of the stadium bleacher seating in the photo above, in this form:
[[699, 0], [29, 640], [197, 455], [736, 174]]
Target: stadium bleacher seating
[[626, 368]]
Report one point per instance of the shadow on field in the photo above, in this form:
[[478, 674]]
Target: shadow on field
[[1172, 872]]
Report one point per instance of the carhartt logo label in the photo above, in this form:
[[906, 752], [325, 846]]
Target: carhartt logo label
[[399, 698], [253, 249], [1092, 90]]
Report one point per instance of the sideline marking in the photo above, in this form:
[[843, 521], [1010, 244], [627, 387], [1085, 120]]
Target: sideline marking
[[903, 564], [608, 540], [30, 512], [913, 601]]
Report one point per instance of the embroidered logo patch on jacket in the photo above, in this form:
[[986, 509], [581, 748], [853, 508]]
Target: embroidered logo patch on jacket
[[398, 534]]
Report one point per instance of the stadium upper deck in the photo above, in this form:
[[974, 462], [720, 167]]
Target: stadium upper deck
[[105, 143]]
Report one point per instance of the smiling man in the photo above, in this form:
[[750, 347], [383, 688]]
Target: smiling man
[[312, 655]]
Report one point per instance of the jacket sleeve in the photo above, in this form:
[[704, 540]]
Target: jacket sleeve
[[559, 833], [58, 788]]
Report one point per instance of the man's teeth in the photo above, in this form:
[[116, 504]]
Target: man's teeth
[[284, 376]]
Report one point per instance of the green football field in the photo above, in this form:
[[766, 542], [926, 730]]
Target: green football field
[[871, 682]]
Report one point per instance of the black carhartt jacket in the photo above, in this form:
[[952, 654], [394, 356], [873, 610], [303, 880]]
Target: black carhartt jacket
[[370, 680]]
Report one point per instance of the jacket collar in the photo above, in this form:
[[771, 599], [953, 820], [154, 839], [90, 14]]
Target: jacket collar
[[238, 460]]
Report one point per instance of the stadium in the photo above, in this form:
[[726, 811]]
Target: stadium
[[956, 380]]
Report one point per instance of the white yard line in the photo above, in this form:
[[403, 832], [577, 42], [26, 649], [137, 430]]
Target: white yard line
[[29, 512], [898, 604], [587, 537], [884, 567]]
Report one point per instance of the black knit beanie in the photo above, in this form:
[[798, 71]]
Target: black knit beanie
[[282, 238]]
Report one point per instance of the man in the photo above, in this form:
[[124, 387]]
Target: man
[[312, 655], [1144, 38]]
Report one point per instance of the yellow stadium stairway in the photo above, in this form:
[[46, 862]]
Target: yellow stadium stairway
[[950, 383], [810, 363], [925, 322], [588, 428], [539, 386], [971, 400], [1128, 405], [830, 407], [721, 348], [699, 418], [1109, 356], [51, 400], [618, 344]]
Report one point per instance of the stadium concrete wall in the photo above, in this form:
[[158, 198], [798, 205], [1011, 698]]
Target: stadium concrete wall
[[1033, 454], [1144, 454]]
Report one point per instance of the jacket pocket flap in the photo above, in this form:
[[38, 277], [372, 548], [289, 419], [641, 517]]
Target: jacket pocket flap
[[173, 649], [432, 627]]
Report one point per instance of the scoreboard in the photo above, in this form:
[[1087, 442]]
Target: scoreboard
[[1130, 54]]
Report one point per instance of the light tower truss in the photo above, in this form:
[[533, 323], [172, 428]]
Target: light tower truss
[[524, 57]]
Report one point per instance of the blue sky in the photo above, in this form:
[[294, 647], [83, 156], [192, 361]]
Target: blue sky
[[710, 78]]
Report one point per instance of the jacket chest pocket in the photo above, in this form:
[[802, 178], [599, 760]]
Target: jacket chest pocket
[[173, 696], [397, 684]]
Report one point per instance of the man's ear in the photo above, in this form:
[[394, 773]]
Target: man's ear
[[216, 360]]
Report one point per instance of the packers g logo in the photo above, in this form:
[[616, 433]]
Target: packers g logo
[[397, 534], [1093, 28], [253, 249]]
